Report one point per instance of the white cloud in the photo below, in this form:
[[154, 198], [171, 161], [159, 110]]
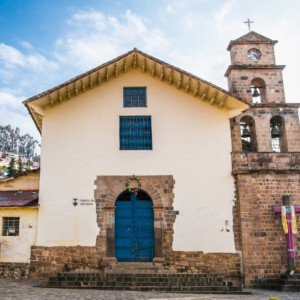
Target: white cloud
[[99, 37], [12, 58], [13, 112], [176, 6], [93, 19], [26, 45], [9, 100]]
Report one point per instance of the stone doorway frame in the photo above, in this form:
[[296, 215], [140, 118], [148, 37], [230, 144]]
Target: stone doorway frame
[[160, 189]]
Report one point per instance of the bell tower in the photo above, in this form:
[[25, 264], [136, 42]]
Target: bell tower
[[265, 158], [253, 74]]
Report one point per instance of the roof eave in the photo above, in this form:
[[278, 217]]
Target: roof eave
[[137, 59]]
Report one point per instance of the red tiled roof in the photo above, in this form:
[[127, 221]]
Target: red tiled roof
[[19, 198]]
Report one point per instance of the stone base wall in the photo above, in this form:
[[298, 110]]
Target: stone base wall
[[219, 264], [262, 236], [48, 261], [14, 270]]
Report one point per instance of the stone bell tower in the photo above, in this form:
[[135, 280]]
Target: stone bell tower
[[253, 74], [265, 158]]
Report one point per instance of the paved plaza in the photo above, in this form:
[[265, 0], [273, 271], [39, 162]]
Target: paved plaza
[[27, 290]]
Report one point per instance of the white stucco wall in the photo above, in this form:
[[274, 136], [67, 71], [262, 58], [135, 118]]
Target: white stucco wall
[[17, 248], [191, 141]]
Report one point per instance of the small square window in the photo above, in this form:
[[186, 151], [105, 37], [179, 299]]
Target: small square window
[[135, 133], [11, 226], [135, 97]]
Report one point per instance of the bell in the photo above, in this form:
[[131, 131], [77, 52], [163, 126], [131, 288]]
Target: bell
[[275, 131], [255, 92], [245, 132]]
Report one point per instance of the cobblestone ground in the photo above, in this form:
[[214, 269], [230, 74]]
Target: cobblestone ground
[[26, 290]]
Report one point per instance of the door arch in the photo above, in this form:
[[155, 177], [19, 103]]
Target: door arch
[[134, 227]]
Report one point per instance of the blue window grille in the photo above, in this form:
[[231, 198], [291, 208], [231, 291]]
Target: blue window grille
[[135, 97], [135, 133], [11, 226]]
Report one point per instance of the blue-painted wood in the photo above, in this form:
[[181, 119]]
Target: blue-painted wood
[[134, 233], [135, 133], [134, 97]]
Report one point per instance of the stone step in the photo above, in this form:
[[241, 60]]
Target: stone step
[[142, 281], [137, 283], [174, 282], [169, 275], [290, 283], [191, 289], [135, 267]]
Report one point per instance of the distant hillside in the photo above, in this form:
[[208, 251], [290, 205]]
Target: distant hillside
[[11, 141]]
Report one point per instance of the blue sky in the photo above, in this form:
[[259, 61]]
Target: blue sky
[[44, 43]]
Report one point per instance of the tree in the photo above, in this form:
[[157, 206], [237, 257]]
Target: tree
[[20, 165], [11, 168], [11, 141]]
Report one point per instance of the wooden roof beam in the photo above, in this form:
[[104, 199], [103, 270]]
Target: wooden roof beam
[[162, 73], [188, 85], [144, 65], [171, 76], [196, 89], [90, 81], [116, 70], [134, 60], [99, 78], [75, 88], [82, 85], [221, 103], [179, 81], [38, 110], [204, 93], [68, 92], [213, 98], [153, 70], [125, 65], [51, 100], [106, 74], [59, 96]]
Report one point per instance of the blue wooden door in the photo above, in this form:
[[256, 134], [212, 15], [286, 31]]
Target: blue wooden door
[[134, 227]]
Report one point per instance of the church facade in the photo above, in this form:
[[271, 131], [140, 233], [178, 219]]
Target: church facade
[[144, 162]]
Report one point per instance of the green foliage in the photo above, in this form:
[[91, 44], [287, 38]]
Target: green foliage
[[20, 165], [11, 168], [11, 141]]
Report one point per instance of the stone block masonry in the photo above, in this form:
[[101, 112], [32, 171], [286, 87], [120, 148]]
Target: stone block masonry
[[14, 270], [262, 236], [219, 264], [47, 261], [262, 115]]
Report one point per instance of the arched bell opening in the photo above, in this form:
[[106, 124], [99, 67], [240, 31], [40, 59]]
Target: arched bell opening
[[258, 90], [134, 227], [248, 134], [278, 135]]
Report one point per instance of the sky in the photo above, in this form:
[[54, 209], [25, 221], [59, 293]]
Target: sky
[[44, 43]]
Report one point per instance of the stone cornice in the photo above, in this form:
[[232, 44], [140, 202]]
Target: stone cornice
[[253, 67]]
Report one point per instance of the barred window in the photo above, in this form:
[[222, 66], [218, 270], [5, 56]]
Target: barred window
[[135, 97], [11, 226], [135, 133]]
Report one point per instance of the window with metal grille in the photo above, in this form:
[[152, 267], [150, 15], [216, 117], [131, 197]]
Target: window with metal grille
[[11, 226], [135, 133], [135, 97]]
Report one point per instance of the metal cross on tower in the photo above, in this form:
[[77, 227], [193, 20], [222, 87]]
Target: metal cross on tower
[[249, 22]]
